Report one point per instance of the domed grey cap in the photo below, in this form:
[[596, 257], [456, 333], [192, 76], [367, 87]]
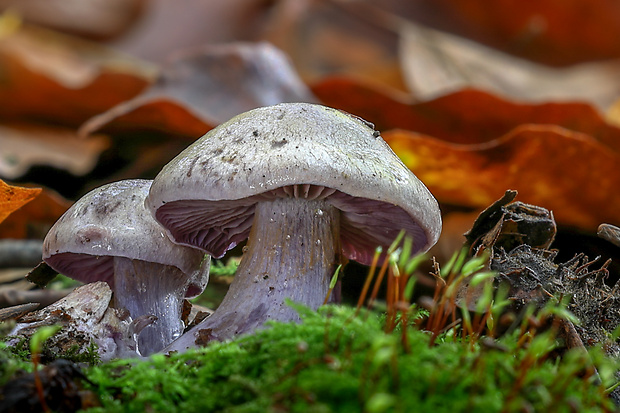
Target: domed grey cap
[[205, 196], [111, 221]]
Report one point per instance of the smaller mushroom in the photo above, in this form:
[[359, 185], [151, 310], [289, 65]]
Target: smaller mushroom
[[108, 235]]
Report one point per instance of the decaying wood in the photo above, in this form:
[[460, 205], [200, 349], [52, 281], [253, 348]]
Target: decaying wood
[[86, 318]]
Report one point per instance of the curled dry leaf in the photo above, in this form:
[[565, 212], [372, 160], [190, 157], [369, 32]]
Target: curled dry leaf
[[566, 172], [506, 225], [92, 18], [436, 63], [52, 77], [203, 87], [13, 197], [467, 116], [23, 146]]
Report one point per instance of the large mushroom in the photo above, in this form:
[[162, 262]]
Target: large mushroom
[[108, 235], [305, 183]]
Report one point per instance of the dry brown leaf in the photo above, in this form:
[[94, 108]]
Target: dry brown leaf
[[33, 220], [327, 37], [550, 31], [13, 197], [93, 18], [613, 114], [23, 146], [206, 86], [566, 172], [144, 114], [467, 116], [57, 78], [437, 63]]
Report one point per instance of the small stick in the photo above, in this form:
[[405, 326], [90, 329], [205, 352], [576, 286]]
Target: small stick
[[20, 253], [17, 310]]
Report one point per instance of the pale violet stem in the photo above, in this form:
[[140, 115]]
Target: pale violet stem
[[292, 252]]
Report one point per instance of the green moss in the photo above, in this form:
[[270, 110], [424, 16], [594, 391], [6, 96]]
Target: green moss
[[19, 351], [89, 356], [11, 364], [338, 362], [22, 352], [221, 269]]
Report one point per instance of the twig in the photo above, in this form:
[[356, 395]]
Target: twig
[[17, 310], [20, 253], [10, 298]]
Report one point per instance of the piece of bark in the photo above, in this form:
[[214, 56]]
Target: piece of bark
[[42, 274]]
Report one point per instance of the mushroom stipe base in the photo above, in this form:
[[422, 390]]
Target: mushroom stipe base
[[292, 252]]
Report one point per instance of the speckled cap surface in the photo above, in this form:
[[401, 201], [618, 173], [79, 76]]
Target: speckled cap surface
[[112, 221], [287, 146]]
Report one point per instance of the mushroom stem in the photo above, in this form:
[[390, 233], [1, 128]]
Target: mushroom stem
[[145, 288], [292, 252]]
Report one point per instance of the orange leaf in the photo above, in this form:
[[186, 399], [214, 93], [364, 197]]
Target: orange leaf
[[64, 80], [555, 32], [566, 172], [33, 220], [550, 31], [13, 197], [468, 116]]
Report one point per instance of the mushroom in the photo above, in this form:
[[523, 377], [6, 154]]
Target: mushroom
[[108, 235], [305, 184]]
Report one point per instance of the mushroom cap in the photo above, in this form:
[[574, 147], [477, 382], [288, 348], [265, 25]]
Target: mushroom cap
[[205, 196], [112, 221]]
